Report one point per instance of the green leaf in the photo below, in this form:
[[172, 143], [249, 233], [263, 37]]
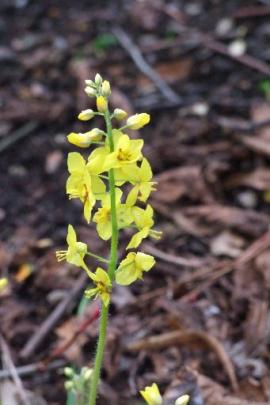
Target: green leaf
[[104, 41]]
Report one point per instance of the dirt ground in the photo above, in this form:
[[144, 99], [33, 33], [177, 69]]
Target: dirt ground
[[199, 323]]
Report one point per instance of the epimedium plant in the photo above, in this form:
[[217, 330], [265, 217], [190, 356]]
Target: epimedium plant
[[116, 178]]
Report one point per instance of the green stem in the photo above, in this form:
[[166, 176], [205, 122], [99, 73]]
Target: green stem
[[111, 272]]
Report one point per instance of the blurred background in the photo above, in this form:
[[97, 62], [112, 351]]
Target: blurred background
[[202, 70]]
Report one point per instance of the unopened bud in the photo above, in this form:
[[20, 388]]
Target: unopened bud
[[89, 83], [119, 114], [102, 104], [138, 121], [87, 373], [86, 115], [98, 79], [183, 400], [90, 91], [69, 372], [106, 88], [3, 283], [69, 385]]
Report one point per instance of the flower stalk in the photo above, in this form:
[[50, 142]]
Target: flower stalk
[[111, 272]]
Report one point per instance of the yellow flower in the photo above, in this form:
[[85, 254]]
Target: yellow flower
[[86, 115], [102, 287], [75, 252], [84, 140], [144, 222], [152, 395], [103, 215], [138, 121], [183, 400], [102, 104], [3, 283], [141, 177], [132, 267], [83, 184], [126, 151]]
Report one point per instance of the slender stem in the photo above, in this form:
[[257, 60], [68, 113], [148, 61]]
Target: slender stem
[[111, 272], [101, 259]]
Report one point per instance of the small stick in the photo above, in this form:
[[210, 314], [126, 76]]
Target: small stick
[[7, 360], [136, 55], [252, 11], [20, 133], [169, 258], [58, 351], [65, 305], [30, 369]]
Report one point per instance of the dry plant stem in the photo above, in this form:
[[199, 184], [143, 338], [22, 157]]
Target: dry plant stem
[[111, 271]]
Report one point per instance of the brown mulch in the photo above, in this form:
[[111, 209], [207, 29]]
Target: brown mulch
[[199, 323]]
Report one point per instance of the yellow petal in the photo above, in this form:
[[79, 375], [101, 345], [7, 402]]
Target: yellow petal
[[152, 395], [76, 162]]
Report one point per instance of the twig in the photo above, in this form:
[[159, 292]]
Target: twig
[[20, 133], [181, 261], [65, 305], [143, 66], [247, 60], [8, 362], [252, 11], [30, 369], [58, 351], [187, 338]]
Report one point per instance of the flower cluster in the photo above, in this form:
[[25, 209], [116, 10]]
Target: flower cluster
[[152, 396], [113, 184]]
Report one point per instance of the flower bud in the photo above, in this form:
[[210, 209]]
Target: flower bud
[[90, 91], [69, 385], [95, 134], [183, 400], [138, 121], [89, 83], [3, 283], [119, 114], [69, 372], [98, 79], [87, 373], [106, 88], [102, 104], [86, 115], [84, 140]]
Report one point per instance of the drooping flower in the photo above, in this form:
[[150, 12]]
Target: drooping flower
[[144, 222], [152, 395], [102, 287], [83, 184], [75, 252], [132, 267], [103, 215], [141, 179]]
